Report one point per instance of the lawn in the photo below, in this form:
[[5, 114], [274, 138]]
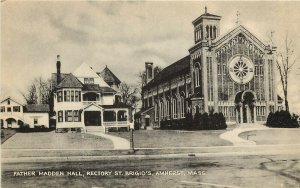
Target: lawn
[[52, 140], [172, 138], [274, 136], [6, 134]]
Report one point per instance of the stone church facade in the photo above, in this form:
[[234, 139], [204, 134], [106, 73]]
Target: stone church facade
[[232, 73]]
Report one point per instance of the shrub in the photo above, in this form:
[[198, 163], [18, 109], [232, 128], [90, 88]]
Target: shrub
[[282, 119]]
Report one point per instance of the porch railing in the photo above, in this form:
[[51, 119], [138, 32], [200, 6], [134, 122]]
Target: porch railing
[[116, 124], [90, 102]]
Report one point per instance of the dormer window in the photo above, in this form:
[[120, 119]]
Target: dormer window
[[88, 80]]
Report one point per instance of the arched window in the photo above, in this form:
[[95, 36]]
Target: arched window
[[182, 106], [215, 32], [168, 109], [210, 30], [161, 109], [197, 74], [207, 32], [174, 107]]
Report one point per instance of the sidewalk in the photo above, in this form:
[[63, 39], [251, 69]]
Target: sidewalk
[[233, 135], [119, 143]]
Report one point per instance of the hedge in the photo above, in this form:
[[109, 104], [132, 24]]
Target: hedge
[[213, 121]]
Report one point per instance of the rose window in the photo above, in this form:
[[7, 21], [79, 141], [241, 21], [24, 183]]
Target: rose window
[[241, 69]]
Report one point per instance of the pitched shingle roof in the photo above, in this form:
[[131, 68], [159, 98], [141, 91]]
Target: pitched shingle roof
[[107, 89], [70, 81], [91, 87], [54, 78], [96, 87], [37, 108], [109, 76], [180, 67]]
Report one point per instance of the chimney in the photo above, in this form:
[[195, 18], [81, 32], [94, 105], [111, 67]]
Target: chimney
[[149, 71], [58, 76]]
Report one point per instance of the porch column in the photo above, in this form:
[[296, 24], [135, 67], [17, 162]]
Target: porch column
[[254, 112], [127, 119], [82, 121], [101, 115], [116, 112], [247, 113], [241, 112], [237, 116]]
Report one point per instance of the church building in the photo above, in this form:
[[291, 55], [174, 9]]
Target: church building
[[233, 73]]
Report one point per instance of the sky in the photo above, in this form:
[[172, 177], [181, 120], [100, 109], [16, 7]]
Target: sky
[[124, 35]]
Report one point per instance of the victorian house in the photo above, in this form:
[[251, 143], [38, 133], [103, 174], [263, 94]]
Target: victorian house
[[88, 100]]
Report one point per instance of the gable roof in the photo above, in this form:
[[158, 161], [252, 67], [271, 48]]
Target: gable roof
[[109, 76], [181, 66], [37, 108], [235, 31], [9, 98], [70, 81]]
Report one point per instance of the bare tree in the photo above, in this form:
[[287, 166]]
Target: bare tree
[[38, 92], [129, 94], [285, 62], [31, 95]]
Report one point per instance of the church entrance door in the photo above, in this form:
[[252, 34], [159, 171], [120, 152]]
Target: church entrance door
[[245, 107]]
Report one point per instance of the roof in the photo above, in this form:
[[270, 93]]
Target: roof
[[54, 78], [11, 99], [279, 98], [107, 89], [109, 76], [96, 87], [181, 66], [91, 87], [118, 105], [70, 81], [206, 15], [37, 108]]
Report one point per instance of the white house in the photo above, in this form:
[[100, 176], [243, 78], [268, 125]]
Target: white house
[[14, 115], [87, 100]]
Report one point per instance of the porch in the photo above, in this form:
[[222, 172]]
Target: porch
[[98, 118]]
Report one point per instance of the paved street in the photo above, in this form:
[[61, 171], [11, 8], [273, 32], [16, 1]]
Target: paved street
[[214, 171]]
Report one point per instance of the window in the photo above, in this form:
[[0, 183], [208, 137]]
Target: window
[[182, 102], [67, 96], [156, 112], [197, 74], [16, 109], [219, 69], [35, 121], [68, 116], [255, 70], [59, 96], [76, 116], [8, 102], [72, 96], [161, 110], [88, 80], [60, 116], [174, 108], [261, 70], [168, 109], [2, 109], [77, 96], [8, 109]]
